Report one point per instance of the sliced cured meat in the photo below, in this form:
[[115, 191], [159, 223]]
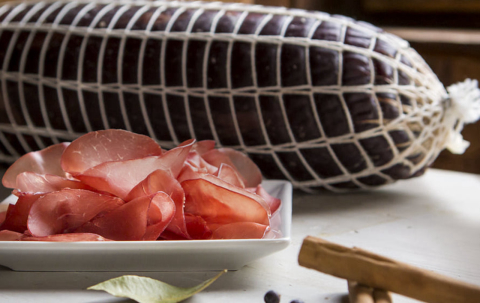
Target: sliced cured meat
[[3, 213], [17, 214], [235, 189], [126, 223], [203, 146], [36, 183], [223, 203], [215, 157], [162, 204], [240, 230], [190, 172], [197, 230], [229, 174], [274, 231], [245, 166], [247, 169], [158, 180], [77, 237], [143, 218], [120, 177], [7, 235], [198, 162], [64, 211], [176, 156], [122, 186], [163, 181], [45, 161], [272, 202], [197, 227], [102, 146]]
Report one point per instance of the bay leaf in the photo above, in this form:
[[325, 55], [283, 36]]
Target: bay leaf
[[148, 290]]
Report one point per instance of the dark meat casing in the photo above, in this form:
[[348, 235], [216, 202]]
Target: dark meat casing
[[321, 100]]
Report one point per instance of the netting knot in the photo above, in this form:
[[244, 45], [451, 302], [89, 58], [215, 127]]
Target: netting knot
[[465, 108]]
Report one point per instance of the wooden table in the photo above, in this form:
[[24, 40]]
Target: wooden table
[[431, 222]]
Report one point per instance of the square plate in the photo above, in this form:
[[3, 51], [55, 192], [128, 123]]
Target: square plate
[[193, 255]]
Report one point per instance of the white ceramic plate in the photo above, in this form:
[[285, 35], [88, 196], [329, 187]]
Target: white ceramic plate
[[149, 256]]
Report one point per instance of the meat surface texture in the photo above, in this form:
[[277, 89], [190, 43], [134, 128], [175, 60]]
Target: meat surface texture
[[321, 100]]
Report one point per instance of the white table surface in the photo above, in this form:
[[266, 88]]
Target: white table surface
[[432, 222]]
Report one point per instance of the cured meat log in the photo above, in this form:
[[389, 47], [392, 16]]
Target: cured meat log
[[321, 100]]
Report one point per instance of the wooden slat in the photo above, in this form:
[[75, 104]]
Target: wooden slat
[[431, 35], [285, 3], [423, 6]]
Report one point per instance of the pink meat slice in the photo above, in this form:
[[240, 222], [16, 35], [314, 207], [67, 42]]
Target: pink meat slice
[[77, 237], [240, 230], [128, 222], [203, 146], [45, 161], [37, 183], [7, 235], [120, 177], [197, 161], [17, 214], [247, 169], [197, 230], [161, 203], [163, 181], [230, 175], [63, 211], [272, 202], [190, 172], [176, 156], [102, 146], [197, 227], [219, 202]]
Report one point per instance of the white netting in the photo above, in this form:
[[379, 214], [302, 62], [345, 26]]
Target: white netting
[[245, 76]]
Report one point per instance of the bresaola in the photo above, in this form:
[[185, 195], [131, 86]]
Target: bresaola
[[117, 185]]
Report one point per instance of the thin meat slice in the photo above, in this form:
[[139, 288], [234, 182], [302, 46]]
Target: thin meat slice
[[223, 203], [247, 169], [45, 161], [3, 215], [274, 231], [37, 183], [163, 204], [273, 203], [240, 230], [176, 156], [203, 146], [163, 181], [7, 235], [102, 146], [197, 227], [189, 172], [197, 230], [126, 223], [130, 222], [120, 177], [77, 237], [17, 214], [63, 211], [242, 191], [198, 162], [230, 175]]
